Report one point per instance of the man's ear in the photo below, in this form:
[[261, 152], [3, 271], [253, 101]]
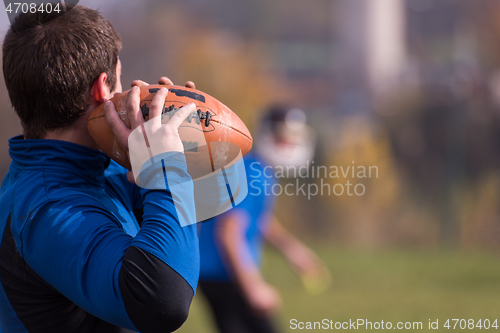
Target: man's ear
[[100, 91]]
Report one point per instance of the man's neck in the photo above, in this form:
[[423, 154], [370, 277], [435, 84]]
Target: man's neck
[[77, 133]]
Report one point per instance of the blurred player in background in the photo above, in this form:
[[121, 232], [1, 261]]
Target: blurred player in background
[[231, 243]]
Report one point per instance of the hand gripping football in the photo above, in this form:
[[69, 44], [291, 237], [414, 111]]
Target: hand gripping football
[[213, 136]]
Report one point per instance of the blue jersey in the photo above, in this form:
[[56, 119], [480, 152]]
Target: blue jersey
[[72, 255], [254, 209]]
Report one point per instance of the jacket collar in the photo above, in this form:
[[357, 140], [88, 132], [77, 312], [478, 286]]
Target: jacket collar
[[60, 156]]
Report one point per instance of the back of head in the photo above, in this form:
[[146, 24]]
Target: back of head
[[50, 62]]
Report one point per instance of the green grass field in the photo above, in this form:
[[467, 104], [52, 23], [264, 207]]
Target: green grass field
[[395, 286]]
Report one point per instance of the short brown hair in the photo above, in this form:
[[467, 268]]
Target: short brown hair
[[50, 62]]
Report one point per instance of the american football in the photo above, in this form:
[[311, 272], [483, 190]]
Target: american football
[[213, 136]]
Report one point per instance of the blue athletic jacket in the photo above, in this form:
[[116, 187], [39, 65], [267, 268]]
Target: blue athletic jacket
[[72, 255]]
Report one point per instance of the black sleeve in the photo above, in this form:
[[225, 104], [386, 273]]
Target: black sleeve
[[138, 212], [153, 306]]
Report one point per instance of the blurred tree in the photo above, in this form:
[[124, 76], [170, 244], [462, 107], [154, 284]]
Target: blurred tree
[[221, 63]]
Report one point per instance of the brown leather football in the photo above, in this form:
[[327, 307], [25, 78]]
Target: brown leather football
[[213, 136]]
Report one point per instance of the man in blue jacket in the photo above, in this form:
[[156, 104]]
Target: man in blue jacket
[[72, 255]]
